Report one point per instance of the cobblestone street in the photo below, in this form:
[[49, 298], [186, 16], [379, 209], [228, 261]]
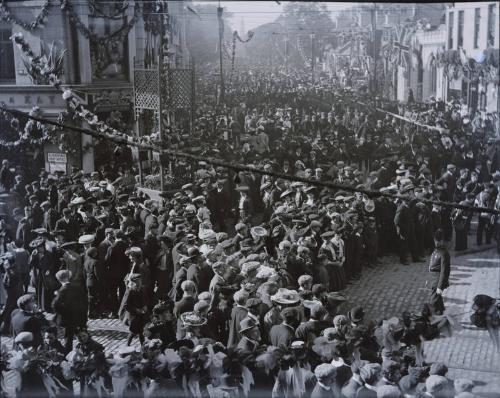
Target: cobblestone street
[[391, 288]]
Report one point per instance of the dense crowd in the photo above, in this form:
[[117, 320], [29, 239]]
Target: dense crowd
[[234, 283]]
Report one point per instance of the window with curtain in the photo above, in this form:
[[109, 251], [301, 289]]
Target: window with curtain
[[460, 40], [477, 18], [7, 63]]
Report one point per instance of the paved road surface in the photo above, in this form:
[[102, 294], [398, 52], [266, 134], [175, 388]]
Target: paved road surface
[[391, 288]]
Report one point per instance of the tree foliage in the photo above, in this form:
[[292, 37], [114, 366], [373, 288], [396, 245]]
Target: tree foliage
[[297, 22]]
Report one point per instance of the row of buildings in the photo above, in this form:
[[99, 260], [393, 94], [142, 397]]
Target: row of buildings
[[442, 50], [103, 42]]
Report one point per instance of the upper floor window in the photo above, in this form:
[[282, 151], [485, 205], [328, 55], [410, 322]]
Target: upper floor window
[[477, 19], [108, 48], [491, 24], [7, 64], [450, 30], [460, 40]]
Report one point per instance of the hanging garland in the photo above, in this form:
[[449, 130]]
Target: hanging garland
[[79, 111], [96, 11], [249, 36], [233, 55], [35, 134], [7, 16], [226, 49], [119, 35], [456, 65]]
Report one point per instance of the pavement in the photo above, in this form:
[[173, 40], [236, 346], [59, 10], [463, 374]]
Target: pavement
[[390, 288]]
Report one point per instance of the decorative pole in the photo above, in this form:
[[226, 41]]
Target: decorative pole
[[375, 49], [221, 36], [162, 75], [313, 61]]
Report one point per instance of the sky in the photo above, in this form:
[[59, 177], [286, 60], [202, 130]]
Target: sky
[[256, 13]]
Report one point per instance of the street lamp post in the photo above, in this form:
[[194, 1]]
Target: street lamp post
[[221, 36], [313, 61]]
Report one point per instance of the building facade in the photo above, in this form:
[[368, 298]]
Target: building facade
[[101, 42], [432, 82], [472, 32]]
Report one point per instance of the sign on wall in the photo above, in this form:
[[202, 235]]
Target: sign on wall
[[57, 162]]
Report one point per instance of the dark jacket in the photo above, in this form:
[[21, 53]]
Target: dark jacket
[[440, 264], [281, 335], [117, 261], [364, 392], [237, 315], [93, 272], [131, 310], [23, 321], [70, 305]]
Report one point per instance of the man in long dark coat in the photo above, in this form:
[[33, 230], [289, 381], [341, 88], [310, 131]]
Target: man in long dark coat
[[70, 306]]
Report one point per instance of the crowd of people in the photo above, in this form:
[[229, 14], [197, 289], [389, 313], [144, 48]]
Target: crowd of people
[[234, 284]]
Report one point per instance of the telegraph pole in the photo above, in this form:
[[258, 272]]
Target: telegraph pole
[[375, 52], [221, 36], [313, 61], [162, 73], [286, 53]]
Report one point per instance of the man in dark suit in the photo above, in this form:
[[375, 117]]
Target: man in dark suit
[[50, 216], [404, 220], [25, 319], [440, 269], [220, 204], [118, 265], [69, 225], [25, 227], [449, 183], [250, 336], [70, 306]]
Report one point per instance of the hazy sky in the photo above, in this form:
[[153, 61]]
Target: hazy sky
[[255, 13]]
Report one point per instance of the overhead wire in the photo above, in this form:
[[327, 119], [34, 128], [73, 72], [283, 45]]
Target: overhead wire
[[244, 168]]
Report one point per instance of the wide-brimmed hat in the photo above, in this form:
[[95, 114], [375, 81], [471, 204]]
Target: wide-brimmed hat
[[207, 234], [286, 297], [258, 232], [192, 319], [78, 201], [247, 324], [86, 239], [38, 242]]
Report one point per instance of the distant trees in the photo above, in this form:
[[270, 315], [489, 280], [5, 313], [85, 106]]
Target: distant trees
[[203, 33]]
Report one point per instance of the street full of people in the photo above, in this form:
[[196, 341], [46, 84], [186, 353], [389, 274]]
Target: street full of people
[[232, 284]]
